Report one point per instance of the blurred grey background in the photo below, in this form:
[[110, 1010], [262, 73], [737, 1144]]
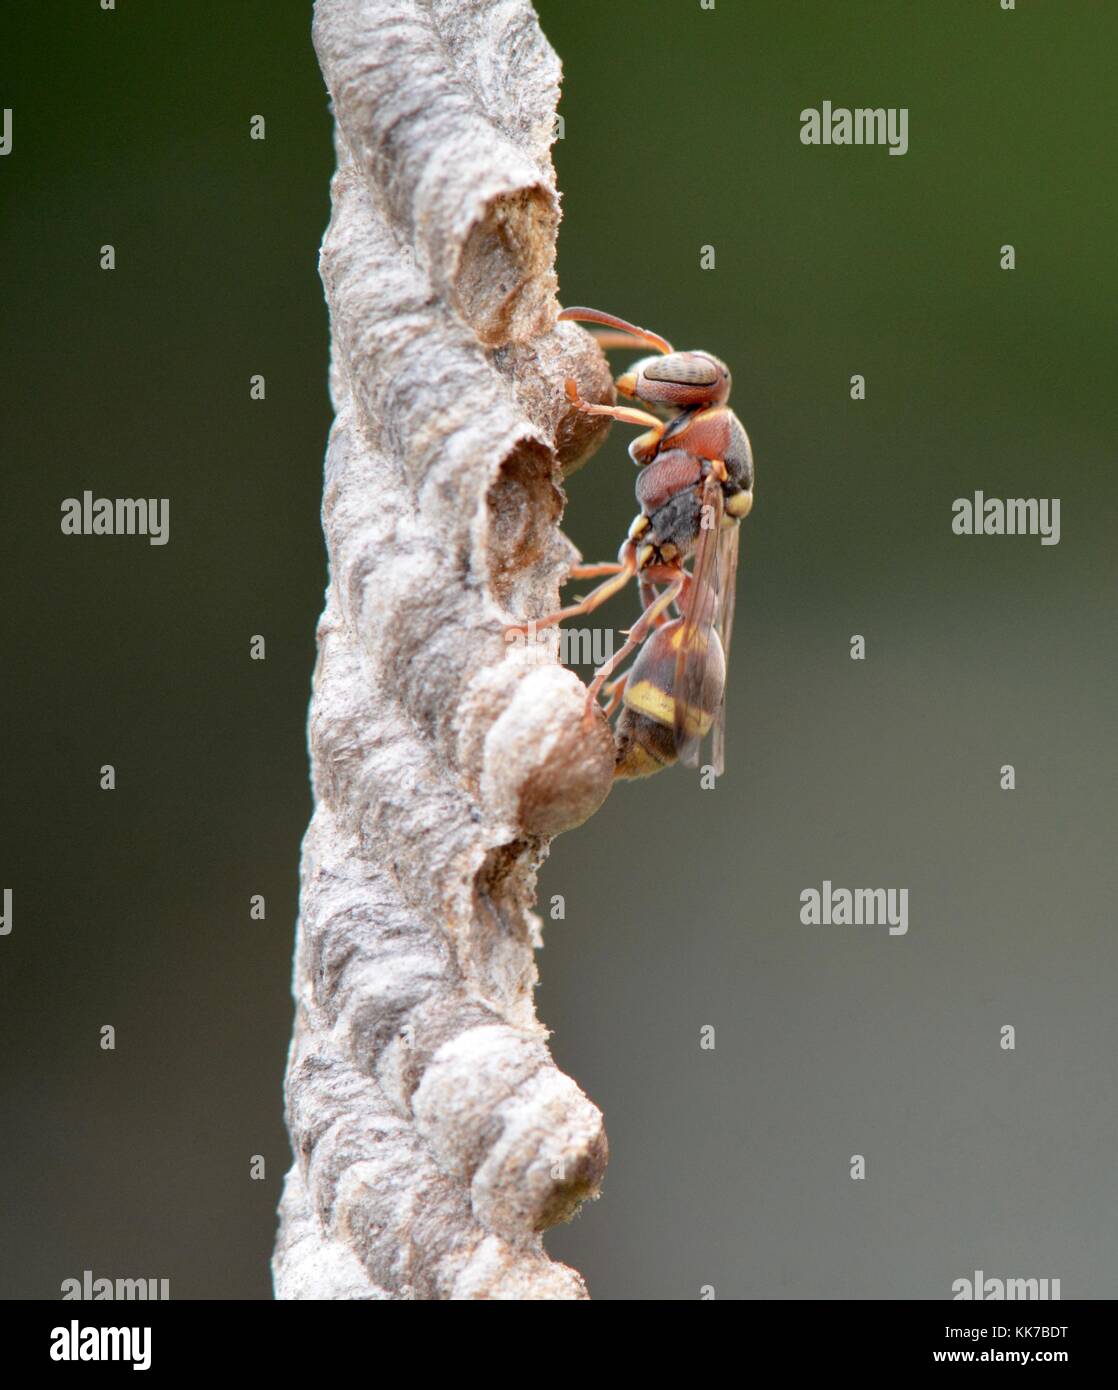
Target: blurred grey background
[[729, 1168]]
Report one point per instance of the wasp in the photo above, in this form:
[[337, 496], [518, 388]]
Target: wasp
[[694, 489]]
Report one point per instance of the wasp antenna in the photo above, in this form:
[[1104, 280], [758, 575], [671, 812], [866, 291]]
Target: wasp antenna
[[642, 335]]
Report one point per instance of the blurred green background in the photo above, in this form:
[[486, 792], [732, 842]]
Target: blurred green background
[[729, 1168]]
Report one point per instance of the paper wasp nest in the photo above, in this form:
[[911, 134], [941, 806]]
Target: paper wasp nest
[[434, 1137]]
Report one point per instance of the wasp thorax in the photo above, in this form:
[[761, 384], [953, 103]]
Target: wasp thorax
[[677, 379]]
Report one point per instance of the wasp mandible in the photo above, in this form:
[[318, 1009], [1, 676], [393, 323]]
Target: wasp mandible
[[694, 489]]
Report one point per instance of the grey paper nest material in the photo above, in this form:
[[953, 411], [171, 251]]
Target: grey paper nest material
[[434, 1137]]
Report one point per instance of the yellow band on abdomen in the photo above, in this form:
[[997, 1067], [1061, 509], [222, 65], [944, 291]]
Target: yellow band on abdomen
[[650, 700]]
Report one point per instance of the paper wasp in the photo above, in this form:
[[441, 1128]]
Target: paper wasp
[[695, 486]]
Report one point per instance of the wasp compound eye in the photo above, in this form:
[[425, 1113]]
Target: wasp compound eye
[[683, 369]]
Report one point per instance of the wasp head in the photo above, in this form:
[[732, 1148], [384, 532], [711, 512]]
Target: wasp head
[[677, 380]]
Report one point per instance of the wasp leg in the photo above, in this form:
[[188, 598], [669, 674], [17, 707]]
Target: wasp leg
[[626, 414], [615, 690], [648, 598], [637, 633], [594, 599], [593, 571]]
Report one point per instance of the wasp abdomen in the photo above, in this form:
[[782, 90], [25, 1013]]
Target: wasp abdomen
[[643, 746], [645, 735]]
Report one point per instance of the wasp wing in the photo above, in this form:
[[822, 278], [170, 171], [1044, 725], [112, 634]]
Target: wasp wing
[[699, 670], [727, 590]]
